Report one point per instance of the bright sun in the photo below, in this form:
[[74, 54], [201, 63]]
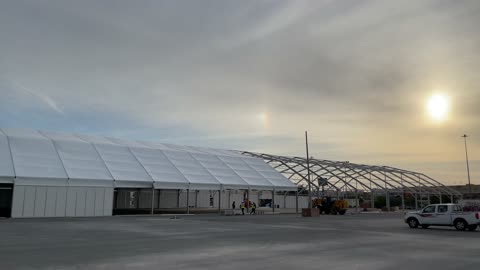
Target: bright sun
[[437, 107]]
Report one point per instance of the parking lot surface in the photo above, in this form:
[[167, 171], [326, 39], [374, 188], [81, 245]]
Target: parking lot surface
[[362, 241]]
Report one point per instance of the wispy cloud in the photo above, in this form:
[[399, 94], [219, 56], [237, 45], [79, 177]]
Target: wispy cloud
[[45, 99]]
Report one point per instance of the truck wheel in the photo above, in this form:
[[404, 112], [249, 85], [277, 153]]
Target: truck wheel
[[460, 225], [425, 226], [472, 227], [412, 223]]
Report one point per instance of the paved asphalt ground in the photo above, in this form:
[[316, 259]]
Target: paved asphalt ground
[[364, 241]]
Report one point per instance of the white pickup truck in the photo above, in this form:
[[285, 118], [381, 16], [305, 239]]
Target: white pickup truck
[[447, 214]]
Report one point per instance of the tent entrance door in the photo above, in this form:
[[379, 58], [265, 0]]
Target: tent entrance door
[[6, 194]]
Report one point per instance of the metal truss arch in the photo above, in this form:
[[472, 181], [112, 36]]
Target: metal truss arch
[[350, 177]]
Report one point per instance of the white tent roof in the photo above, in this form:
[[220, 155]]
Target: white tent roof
[[45, 158]]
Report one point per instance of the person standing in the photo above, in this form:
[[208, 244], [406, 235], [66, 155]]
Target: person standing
[[233, 205], [242, 206], [254, 206]]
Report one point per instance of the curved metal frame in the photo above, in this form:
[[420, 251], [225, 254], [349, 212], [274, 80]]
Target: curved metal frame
[[346, 177]]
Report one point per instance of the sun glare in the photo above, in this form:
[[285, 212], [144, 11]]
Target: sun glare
[[263, 117], [437, 107]]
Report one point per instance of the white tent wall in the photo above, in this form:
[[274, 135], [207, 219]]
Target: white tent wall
[[280, 200], [183, 198], [168, 198], [61, 201], [145, 200], [203, 199]]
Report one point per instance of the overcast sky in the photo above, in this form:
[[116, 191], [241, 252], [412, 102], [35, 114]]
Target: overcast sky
[[252, 75]]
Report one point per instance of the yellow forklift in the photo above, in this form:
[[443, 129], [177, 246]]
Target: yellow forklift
[[330, 206]]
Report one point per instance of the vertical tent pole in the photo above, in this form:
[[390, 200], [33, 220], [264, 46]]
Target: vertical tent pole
[[419, 188], [153, 198], [373, 198], [138, 198], [428, 198], [356, 200], [416, 202], [273, 200], [285, 200], [220, 200], [296, 201], [403, 201], [387, 195], [188, 199], [451, 198], [372, 203], [387, 198], [356, 196], [308, 172], [178, 198], [229, 198], [248, 199], [441, 199], [196, 198], [403, 192]]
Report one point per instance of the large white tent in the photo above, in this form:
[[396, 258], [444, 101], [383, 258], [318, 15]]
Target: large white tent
[[62, 171]]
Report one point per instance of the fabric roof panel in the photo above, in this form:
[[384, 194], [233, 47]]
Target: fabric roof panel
[[259, 183], [193, 170], [232, 181], [214, 165], [231, 160], [160, 168], [177, 155], [95, 139], [122, 164], [133, 163], [248, 173], [206, 181], [205, 157], [81, 160], [35, 156]]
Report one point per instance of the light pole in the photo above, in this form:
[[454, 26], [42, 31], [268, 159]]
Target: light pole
[[308, 172], [468, 167]]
